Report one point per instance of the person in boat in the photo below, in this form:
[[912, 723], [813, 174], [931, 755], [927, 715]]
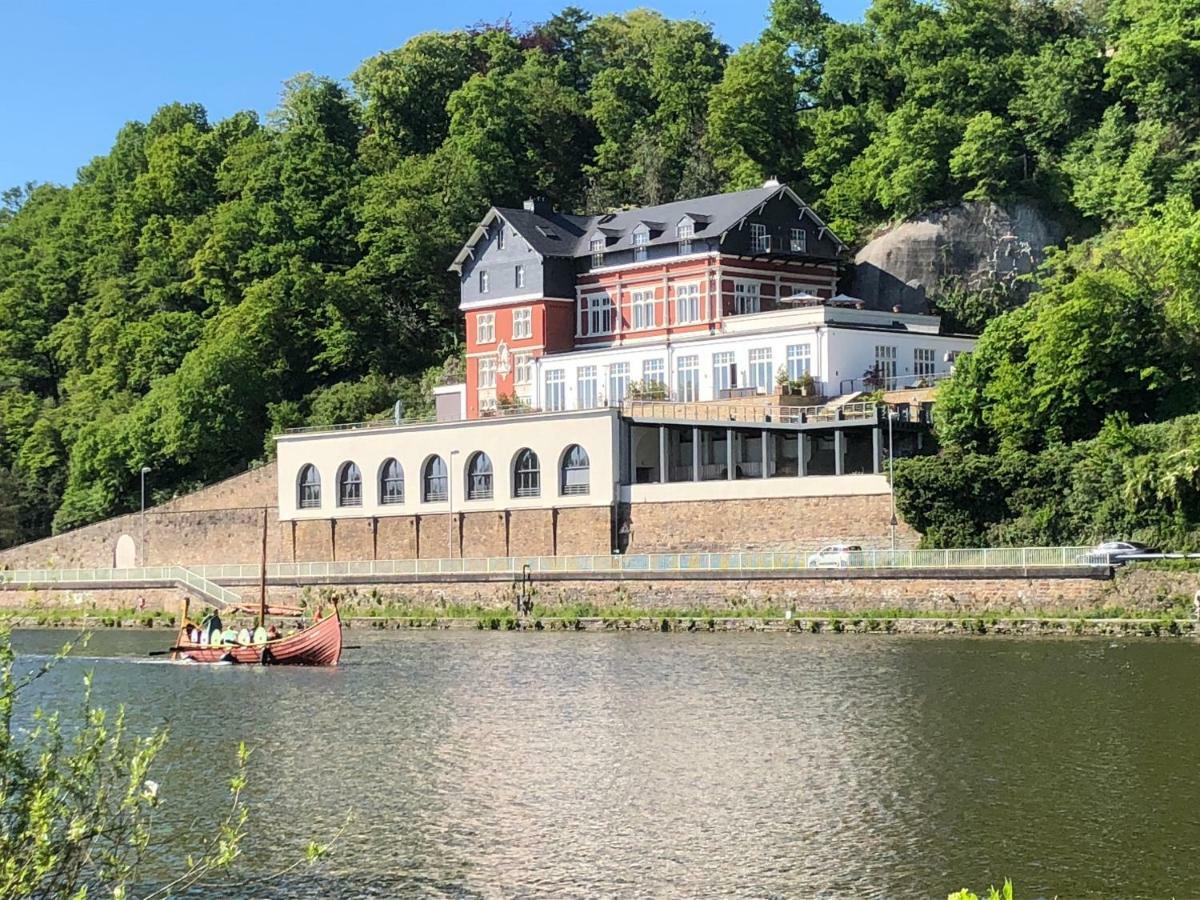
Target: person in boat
[[211, 627], [273, 633]]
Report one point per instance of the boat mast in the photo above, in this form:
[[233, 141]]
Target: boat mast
[[262, 576]]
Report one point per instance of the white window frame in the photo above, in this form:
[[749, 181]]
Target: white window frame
[[747, 296], [885, 363], [500, 237], [596, 247], [522, 323], [485, 328], [687, 378], [519, 275], [760, 241], [641, 240], [724, 367], [644, 309], [924, 361], [555, 394], [600, 309], [798, 242], [486, 379], [618, 383], [686, 234], [484, 281], [799, 361], [762, 373], [523, 368], [687, 303], [586, 388], [654, 371]]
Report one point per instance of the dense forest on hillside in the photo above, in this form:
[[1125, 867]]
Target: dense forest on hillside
[[205, 283]]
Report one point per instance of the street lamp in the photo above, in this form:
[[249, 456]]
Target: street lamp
[[142, 542], [450, 505]]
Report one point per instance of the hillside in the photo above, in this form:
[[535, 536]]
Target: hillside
[[206, 283]]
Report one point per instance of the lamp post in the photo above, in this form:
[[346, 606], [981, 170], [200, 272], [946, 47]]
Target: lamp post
[[892, 480], [142, 542], [450, 505]]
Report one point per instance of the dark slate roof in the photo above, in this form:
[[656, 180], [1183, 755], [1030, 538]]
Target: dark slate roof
[[549, 233], [552, 233], [714, 215]]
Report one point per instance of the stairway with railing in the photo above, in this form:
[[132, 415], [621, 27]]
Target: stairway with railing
[[185, 579]]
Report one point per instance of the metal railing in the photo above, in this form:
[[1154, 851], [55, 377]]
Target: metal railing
[[201, 583], [203, 579], [895, 383], [766, 411]]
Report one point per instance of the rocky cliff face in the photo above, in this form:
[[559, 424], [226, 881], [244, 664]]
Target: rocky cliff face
[[970, 246]]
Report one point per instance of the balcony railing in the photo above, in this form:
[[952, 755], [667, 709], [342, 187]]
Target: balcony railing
[[749, 412]]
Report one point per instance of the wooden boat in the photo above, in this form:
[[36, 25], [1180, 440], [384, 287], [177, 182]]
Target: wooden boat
[[318, 645]]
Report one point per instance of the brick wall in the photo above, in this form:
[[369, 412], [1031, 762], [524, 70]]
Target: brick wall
[[790, 523]]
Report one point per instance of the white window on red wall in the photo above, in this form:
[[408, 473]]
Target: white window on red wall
[[687, 303], [644, 309], [745, 297], [487, 372], [522, 323], [523, 369], [600, 314], [485, 328]]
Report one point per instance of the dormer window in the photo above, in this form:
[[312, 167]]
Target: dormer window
[[641, 238], [799, 241], [500, 237], [596, 245], [687, 231], [760, 241]]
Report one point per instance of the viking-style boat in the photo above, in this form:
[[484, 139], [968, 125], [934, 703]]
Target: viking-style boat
[[320, 644]]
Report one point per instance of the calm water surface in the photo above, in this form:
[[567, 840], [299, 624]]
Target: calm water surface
[[634, 765]]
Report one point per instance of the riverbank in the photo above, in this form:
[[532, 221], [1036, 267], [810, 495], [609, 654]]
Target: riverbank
[[618, 620]]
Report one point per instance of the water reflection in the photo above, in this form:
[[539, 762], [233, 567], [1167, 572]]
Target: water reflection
[[649, 765]]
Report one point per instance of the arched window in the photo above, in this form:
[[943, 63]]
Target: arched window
[[434, 480], [349, 485], [391, 482], [527, 475], [309, 483], [576, 471], [479, 477]]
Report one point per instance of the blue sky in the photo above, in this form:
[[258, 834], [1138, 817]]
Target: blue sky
[[71, 73]]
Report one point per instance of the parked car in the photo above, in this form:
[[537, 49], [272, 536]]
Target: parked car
[[1118, 553], [835, 556]]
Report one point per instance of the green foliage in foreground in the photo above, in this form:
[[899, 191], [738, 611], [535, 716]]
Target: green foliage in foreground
[[77, 803], [1004, 893]]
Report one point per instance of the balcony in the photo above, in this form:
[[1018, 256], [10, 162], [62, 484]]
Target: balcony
[[766, 411]]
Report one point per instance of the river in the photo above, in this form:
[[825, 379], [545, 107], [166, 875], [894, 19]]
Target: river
[[463, 763]]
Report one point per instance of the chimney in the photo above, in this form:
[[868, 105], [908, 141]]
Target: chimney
[[539, 205], [771, 182]]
